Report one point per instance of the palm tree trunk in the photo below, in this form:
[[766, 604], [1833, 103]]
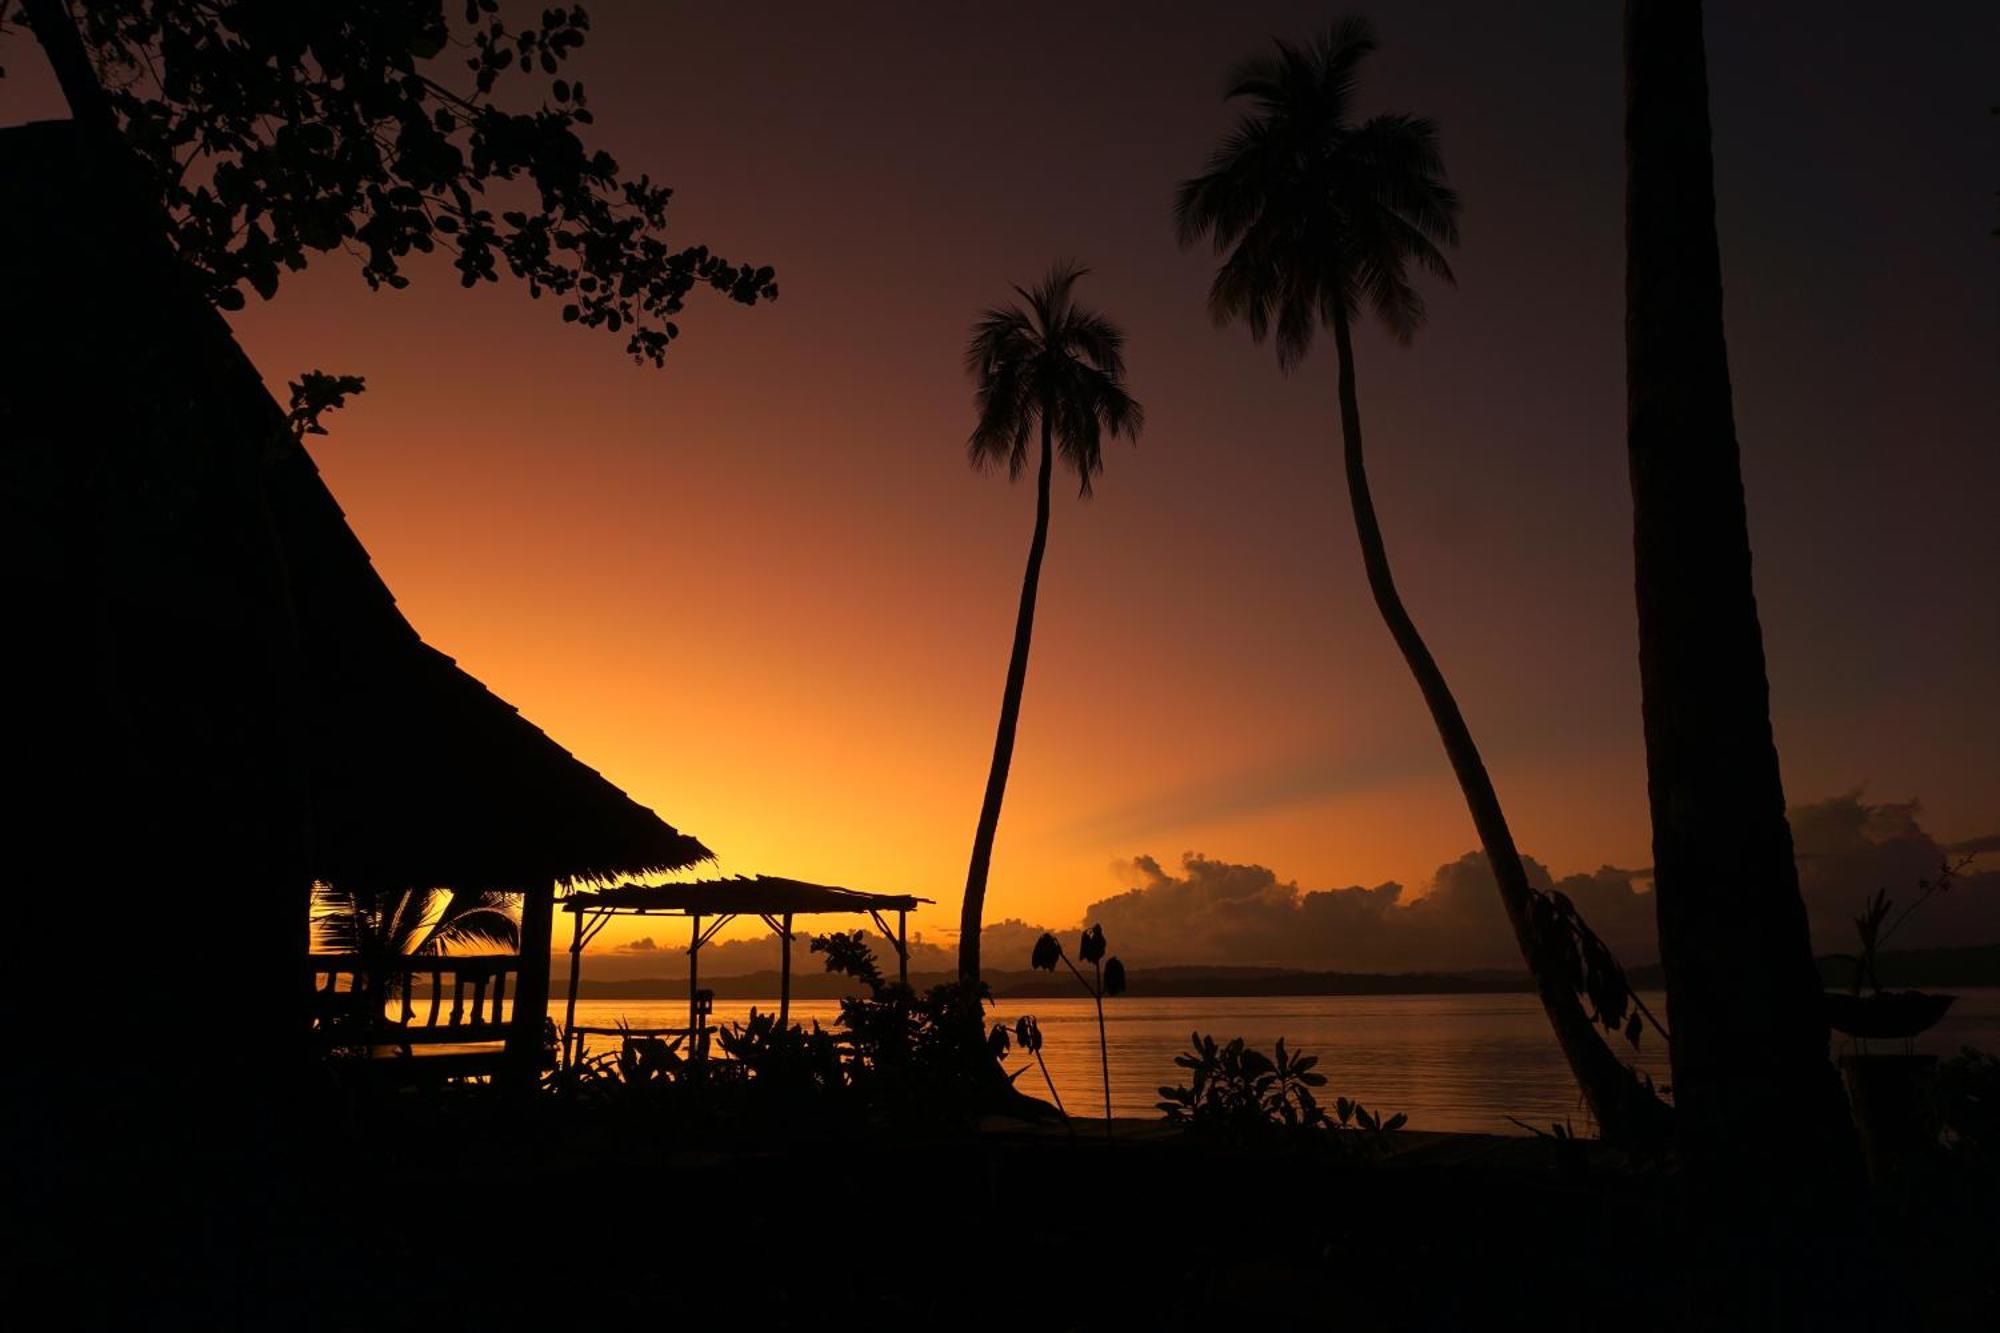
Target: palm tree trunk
[[1624, 1109], [972, 913], [1751, 1075]]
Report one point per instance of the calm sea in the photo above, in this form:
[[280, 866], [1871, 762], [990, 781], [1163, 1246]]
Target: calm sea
[[1452, 1062]]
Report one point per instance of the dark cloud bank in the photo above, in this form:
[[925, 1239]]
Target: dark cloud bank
[[1216, 912], [1213, 911]]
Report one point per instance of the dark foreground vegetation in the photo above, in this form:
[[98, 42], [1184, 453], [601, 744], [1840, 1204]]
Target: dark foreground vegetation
[[470, 1209]]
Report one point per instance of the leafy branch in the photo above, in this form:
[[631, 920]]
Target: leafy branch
[[272, 133]]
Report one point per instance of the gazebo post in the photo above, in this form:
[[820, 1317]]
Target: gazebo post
[[785, 973], [903, 944], [694, 970], [570, 1053], [531, 998]]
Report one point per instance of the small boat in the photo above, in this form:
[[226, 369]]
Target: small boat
[[1885, 1015]]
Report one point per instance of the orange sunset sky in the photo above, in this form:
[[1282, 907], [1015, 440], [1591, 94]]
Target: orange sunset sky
[[762, 591]]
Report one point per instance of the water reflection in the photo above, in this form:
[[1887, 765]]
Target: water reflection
[[1453, 1062]]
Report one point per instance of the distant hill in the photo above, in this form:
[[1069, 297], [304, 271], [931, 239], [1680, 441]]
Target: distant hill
[[1975, 965]]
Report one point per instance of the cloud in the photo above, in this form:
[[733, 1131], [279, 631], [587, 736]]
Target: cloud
[[1208, 911], [1219, 912], [1847, 849]]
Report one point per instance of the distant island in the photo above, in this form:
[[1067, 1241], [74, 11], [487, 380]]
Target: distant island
[[1976, 965]]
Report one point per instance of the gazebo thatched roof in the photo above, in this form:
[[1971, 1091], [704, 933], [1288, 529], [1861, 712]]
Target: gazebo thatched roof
[[242, 676], [744, 895]]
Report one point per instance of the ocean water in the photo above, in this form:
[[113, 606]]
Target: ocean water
[[1451, 1062]]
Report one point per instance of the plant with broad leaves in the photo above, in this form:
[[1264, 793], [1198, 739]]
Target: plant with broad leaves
[[1585, 963], [1238, 1093], [267, 134], [1027, 1034], [1109, 979]]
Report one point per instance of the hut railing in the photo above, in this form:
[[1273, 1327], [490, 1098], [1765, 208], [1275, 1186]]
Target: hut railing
[[413, 1000]]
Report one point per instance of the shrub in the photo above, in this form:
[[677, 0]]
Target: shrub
[[1240, 1094]]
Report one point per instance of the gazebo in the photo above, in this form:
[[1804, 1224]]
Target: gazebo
[[711, 904]]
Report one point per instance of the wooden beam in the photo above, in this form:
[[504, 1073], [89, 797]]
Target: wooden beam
[[694, 968], [531, 999], [569, 1010], [785, 972]]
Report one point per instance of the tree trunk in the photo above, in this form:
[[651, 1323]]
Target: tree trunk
[[971, 914], [1624, 1109], [1752, 1082]]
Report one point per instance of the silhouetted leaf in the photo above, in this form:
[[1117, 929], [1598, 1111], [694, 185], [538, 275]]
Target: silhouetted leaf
[[1091, 947], [1114, 977], [1048, 952]]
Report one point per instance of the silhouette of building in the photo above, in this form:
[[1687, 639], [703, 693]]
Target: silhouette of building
[[218, 698]]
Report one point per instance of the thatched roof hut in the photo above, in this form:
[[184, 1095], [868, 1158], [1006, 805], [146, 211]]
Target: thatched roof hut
[[222, 691]]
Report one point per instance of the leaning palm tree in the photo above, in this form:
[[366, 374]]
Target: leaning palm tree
[[1059, 367], [1320, 219]]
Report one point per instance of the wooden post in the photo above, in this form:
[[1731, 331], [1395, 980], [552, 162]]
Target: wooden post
[[903, 945], [694, 972], [531, 1001], [785, 973], [570, 1046]]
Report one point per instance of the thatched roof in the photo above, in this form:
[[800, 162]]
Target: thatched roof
[[228, 623], [745, 895]]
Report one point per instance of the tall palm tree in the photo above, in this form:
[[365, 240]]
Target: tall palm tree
[[1059, 367], [1320, 220], [1749, 1033]]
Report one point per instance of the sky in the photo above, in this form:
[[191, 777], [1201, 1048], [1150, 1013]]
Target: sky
[[762, 591]]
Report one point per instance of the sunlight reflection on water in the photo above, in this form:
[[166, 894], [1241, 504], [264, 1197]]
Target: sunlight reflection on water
[[1453, 1062]]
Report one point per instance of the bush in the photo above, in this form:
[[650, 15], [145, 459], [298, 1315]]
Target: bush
[[1240, 1094], [899, 1058], [1969, 1096]]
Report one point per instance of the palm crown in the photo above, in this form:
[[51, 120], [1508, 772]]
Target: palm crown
[[1319, 216], [1055, 363]]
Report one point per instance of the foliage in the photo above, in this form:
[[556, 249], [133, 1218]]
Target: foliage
[[348, 919], [1027, 1033], [1584, 962], [382, 927], [273, 133], [1572, 1159], [1238, 1093], [1875, 928], [1969, 1097], [315, 392], [1318, 217], [1109, 979], [1056, 364], [898, 1059], [908, 1055]]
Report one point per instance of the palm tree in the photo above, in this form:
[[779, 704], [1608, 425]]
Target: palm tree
[[1320, 219], [1749, 1032], [1060, 367]]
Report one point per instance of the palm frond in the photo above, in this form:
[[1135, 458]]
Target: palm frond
[[1048, 359], [1314, 216]]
